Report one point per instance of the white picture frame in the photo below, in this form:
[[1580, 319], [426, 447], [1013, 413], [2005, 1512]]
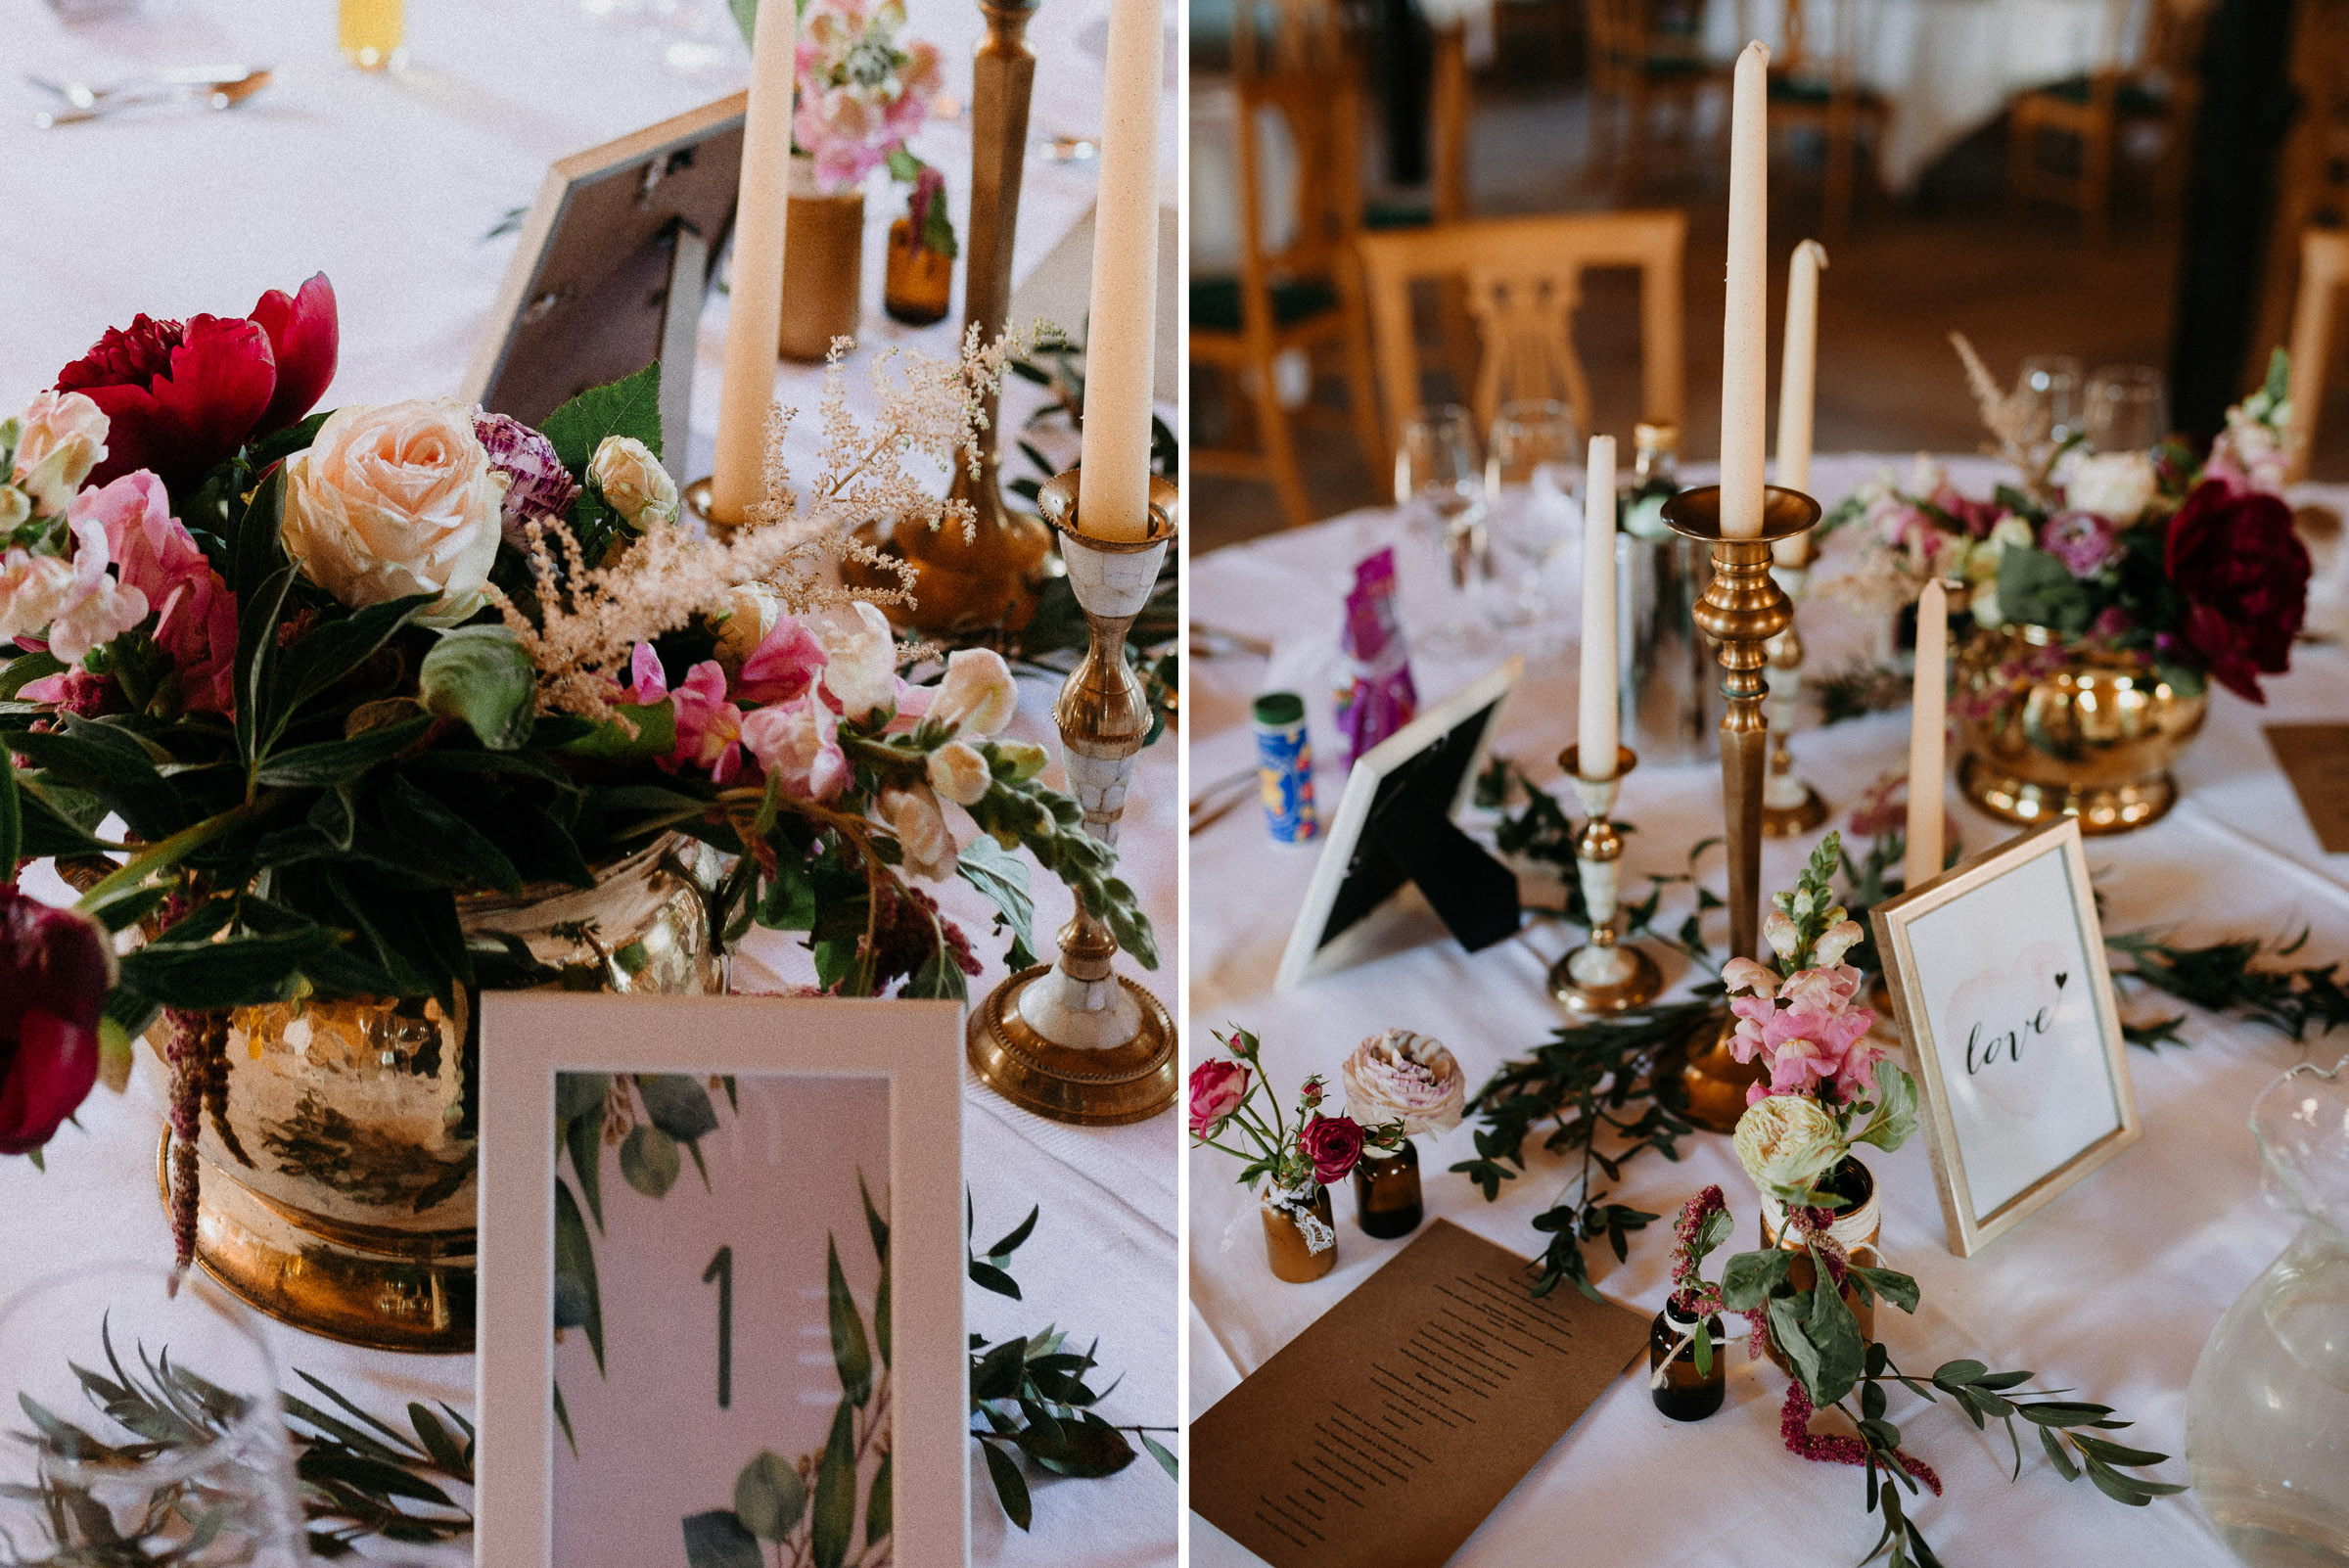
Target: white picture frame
[[806, 1051], [1471, 714], [2001, 990]]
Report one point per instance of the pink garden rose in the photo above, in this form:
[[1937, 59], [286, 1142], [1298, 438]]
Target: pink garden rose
[[1216, 1088], [1334, 1144], [800, 740]]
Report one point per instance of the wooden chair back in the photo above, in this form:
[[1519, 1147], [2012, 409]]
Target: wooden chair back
[[2323, 268], [1523, 278], [1321, 115]]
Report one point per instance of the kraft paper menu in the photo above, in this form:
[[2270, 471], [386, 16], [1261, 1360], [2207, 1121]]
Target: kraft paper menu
[[1383, 1435], [2316, 759]]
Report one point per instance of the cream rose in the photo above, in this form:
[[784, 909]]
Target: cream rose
[[2117, 486], [1406, 1077], [63, 437], [1786, 1142], [394, 500], [633, 483]]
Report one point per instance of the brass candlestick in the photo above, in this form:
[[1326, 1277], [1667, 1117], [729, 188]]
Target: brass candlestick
[[1075, 1040], [1743, 610], [1602, 976], [1790, 806], [988, 575]]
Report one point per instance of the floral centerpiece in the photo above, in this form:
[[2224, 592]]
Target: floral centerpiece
[[863, 91], [1288, 1163], [2109, 589], [363, 687]]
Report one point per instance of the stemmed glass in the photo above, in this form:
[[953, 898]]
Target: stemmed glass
[[2053, 382], [1441, 486], [2128, 410], [147, 1427], [1531, 474]]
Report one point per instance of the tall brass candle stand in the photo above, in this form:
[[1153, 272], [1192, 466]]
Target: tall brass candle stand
[[1743, 610], [1603, 975], [1075, 1040], [1790, 806], [989, 576]]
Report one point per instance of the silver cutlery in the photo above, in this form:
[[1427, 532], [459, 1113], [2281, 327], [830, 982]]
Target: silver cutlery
[[87, 103]]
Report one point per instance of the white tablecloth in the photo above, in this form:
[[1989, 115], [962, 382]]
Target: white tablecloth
[[2112, 1290], [389, 183]]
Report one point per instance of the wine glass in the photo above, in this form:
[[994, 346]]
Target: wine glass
[[2052, 382], [1529, 479], [150, 1430], [1441, 486], [2128, 410]]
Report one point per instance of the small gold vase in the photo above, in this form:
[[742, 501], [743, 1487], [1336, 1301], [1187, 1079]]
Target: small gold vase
[[823, 265], [347, 1207], [1290, 1249], [2050, 725], [919, 281], [1856, 1224]]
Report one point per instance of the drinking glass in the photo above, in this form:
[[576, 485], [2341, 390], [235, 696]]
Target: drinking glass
[[374, 33], [1441, 486], [2126, 409], [146, 1426], [2053, 383], [1530, 475]]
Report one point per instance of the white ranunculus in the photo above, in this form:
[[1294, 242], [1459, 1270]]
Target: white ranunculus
[[2117, 486], [920, 825], [633, 483], [1786, 1142], [63, 437], [959, 773], [978, 695], [396, 501], [860, 657]]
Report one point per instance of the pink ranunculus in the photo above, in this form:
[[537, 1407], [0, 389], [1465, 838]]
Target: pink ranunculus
[[1333, 1143], [786, 662], [154, 553], [799, 741], [1216, 1088]]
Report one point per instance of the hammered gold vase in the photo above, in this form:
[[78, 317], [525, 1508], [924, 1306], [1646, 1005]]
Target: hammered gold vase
[[2050, 725], [346, 1206]]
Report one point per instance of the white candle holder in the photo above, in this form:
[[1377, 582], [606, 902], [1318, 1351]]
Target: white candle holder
[[1075, 1040], [1790, 805], [1603, 975]]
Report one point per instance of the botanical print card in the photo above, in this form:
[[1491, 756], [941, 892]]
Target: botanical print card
[[1383, 1435]]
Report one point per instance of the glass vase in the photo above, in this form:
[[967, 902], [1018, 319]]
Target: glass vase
[[2266, 1415], [919, 279], [823, 264], [1299, 1243], [1386, 1192]]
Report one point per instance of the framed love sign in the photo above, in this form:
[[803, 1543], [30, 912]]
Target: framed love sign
[[1999, 982], [722, 1282]]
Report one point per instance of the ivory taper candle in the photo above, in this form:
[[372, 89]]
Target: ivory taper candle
[[754, 316], [1113, 488], [1596, 729], [1926, 735], [1745, 321], [1798, 381]]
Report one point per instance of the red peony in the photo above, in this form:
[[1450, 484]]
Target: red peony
[[179, 397], [2243, 573], [55, 966], [1333, 1143]]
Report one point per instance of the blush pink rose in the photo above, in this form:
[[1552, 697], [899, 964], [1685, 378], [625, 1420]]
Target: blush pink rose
[[1334, 1143], [1216, 1088]]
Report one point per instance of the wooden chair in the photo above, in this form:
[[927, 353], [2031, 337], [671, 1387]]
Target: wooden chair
[[2323, 268], [1642, 54], [2313, 179], [1814, 85], [1450, 107], [2162, 88], [1523, 278], [1302, 292]]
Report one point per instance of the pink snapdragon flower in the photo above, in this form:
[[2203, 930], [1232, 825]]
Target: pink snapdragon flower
[[798, 740], [154, 553], [786, 662], [709, 727]]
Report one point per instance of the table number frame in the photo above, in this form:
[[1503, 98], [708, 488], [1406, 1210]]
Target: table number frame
[[528, 1038], [1895, 922]]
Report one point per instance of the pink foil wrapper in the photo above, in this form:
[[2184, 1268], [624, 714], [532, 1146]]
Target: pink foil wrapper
[[1375, 696]]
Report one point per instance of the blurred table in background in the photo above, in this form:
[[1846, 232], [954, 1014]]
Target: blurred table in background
[[2112, 1290], [391, 184]]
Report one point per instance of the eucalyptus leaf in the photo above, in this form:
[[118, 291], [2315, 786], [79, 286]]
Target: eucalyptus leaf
[[717, 1540], [770, 1497], [574, 1267], [649, 1161], [833, 1527], [852, 1353], [678, 1105]]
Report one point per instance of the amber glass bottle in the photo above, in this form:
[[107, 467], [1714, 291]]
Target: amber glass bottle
[[1686, 1394], [919, 278], [1386, 1192]]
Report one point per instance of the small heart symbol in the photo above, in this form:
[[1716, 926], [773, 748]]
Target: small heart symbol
[[2062, 977]]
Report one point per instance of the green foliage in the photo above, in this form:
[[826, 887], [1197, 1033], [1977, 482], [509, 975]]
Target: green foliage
[[630, 406], [2231, 977], [1004, 877], [483, 675]]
